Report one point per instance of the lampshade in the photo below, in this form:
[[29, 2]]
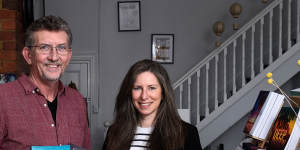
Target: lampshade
[[235, 10]]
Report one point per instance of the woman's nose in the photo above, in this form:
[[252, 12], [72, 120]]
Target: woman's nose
[[145, 94]]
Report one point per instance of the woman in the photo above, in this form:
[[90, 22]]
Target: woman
[[145, 113]]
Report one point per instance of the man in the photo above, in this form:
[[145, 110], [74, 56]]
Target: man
[[38, 110]]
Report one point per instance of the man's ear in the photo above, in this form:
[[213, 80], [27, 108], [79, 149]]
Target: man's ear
[[27, 54]]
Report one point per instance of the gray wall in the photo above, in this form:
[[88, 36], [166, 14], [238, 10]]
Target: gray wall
[[95, 29]]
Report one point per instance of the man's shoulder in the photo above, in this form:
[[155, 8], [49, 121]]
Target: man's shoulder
[[74, 95], [9, 87], [72, 92]]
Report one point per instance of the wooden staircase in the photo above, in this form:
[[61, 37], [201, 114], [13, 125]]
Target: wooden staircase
[[222, 88]]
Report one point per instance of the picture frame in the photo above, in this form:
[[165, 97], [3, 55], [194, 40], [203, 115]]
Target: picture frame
[[129, 16], [162, 48]]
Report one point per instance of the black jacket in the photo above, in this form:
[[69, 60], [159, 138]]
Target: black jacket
[[191, 141]]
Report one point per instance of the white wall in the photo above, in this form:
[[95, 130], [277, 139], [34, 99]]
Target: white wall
[[95, 29]]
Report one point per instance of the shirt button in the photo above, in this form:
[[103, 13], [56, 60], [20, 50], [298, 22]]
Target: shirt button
[[52, 125], [33, 91], [45, 105], [37, 90]]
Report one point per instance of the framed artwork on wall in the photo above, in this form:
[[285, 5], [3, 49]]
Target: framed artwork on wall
[[162, 48], [129, 16]]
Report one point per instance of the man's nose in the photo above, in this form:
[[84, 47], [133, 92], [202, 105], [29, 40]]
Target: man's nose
[[53, 55]]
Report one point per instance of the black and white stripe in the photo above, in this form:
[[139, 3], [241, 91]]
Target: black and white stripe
[[141, 139]]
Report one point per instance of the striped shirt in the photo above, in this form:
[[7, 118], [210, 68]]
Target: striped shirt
[[141, 139]]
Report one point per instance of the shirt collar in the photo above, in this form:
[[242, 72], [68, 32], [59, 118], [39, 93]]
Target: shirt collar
[[31, 88]]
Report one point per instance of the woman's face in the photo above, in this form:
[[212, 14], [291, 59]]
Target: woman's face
[[146, 95]]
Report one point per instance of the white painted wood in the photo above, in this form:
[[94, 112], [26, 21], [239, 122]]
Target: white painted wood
[[261, 46], [224, 75], [189, 92], [252, 50], [243, 59], [289, 9], [298, 21], [216, 81], [234, 67], [247, 26], [180, 95], [185, 114], [280, 29], [198, 96], [206, 89], [210, 116], [270, 37]]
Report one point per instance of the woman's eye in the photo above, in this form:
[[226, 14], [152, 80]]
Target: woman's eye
[[152, 88], [136, 88]]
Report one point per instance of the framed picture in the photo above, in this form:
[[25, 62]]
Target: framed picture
[[162, 48], [129, 16]]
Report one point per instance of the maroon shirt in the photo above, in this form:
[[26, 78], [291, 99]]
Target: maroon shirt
[[25, 119]]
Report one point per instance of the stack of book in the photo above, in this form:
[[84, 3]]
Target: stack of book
[[272, 126]]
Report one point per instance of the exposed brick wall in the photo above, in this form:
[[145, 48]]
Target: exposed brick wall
[[11, 37]]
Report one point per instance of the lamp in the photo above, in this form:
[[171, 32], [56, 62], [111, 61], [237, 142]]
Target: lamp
[[235, 10], [218, 29]]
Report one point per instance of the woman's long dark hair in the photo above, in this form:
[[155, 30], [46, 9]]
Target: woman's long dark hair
[[168, 129]]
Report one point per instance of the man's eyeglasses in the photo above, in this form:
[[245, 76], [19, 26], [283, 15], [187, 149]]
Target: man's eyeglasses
[[61, 49]]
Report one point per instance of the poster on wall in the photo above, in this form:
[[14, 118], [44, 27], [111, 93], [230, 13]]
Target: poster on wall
[[162, 48], [129, 16]]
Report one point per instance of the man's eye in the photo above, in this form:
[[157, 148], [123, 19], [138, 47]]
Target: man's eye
[[61, 47], [45, 47]]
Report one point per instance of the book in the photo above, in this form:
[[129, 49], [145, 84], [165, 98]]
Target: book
[[296, 100], [295, 92], [62, 147], [263, 114], [285, 132]]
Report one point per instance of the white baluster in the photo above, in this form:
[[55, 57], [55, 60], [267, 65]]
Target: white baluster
[[189, 93], [289, 25], [234, 68], [298, 21], [252, 51], [243, 58], [280, 29], [180, 95], [261, 42], [224, 75], [206, 90], [198, 97], [270, 37], [216, 81]]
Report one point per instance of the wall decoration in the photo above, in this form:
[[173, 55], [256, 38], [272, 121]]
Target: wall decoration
[[162, 48], [129, 16]]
